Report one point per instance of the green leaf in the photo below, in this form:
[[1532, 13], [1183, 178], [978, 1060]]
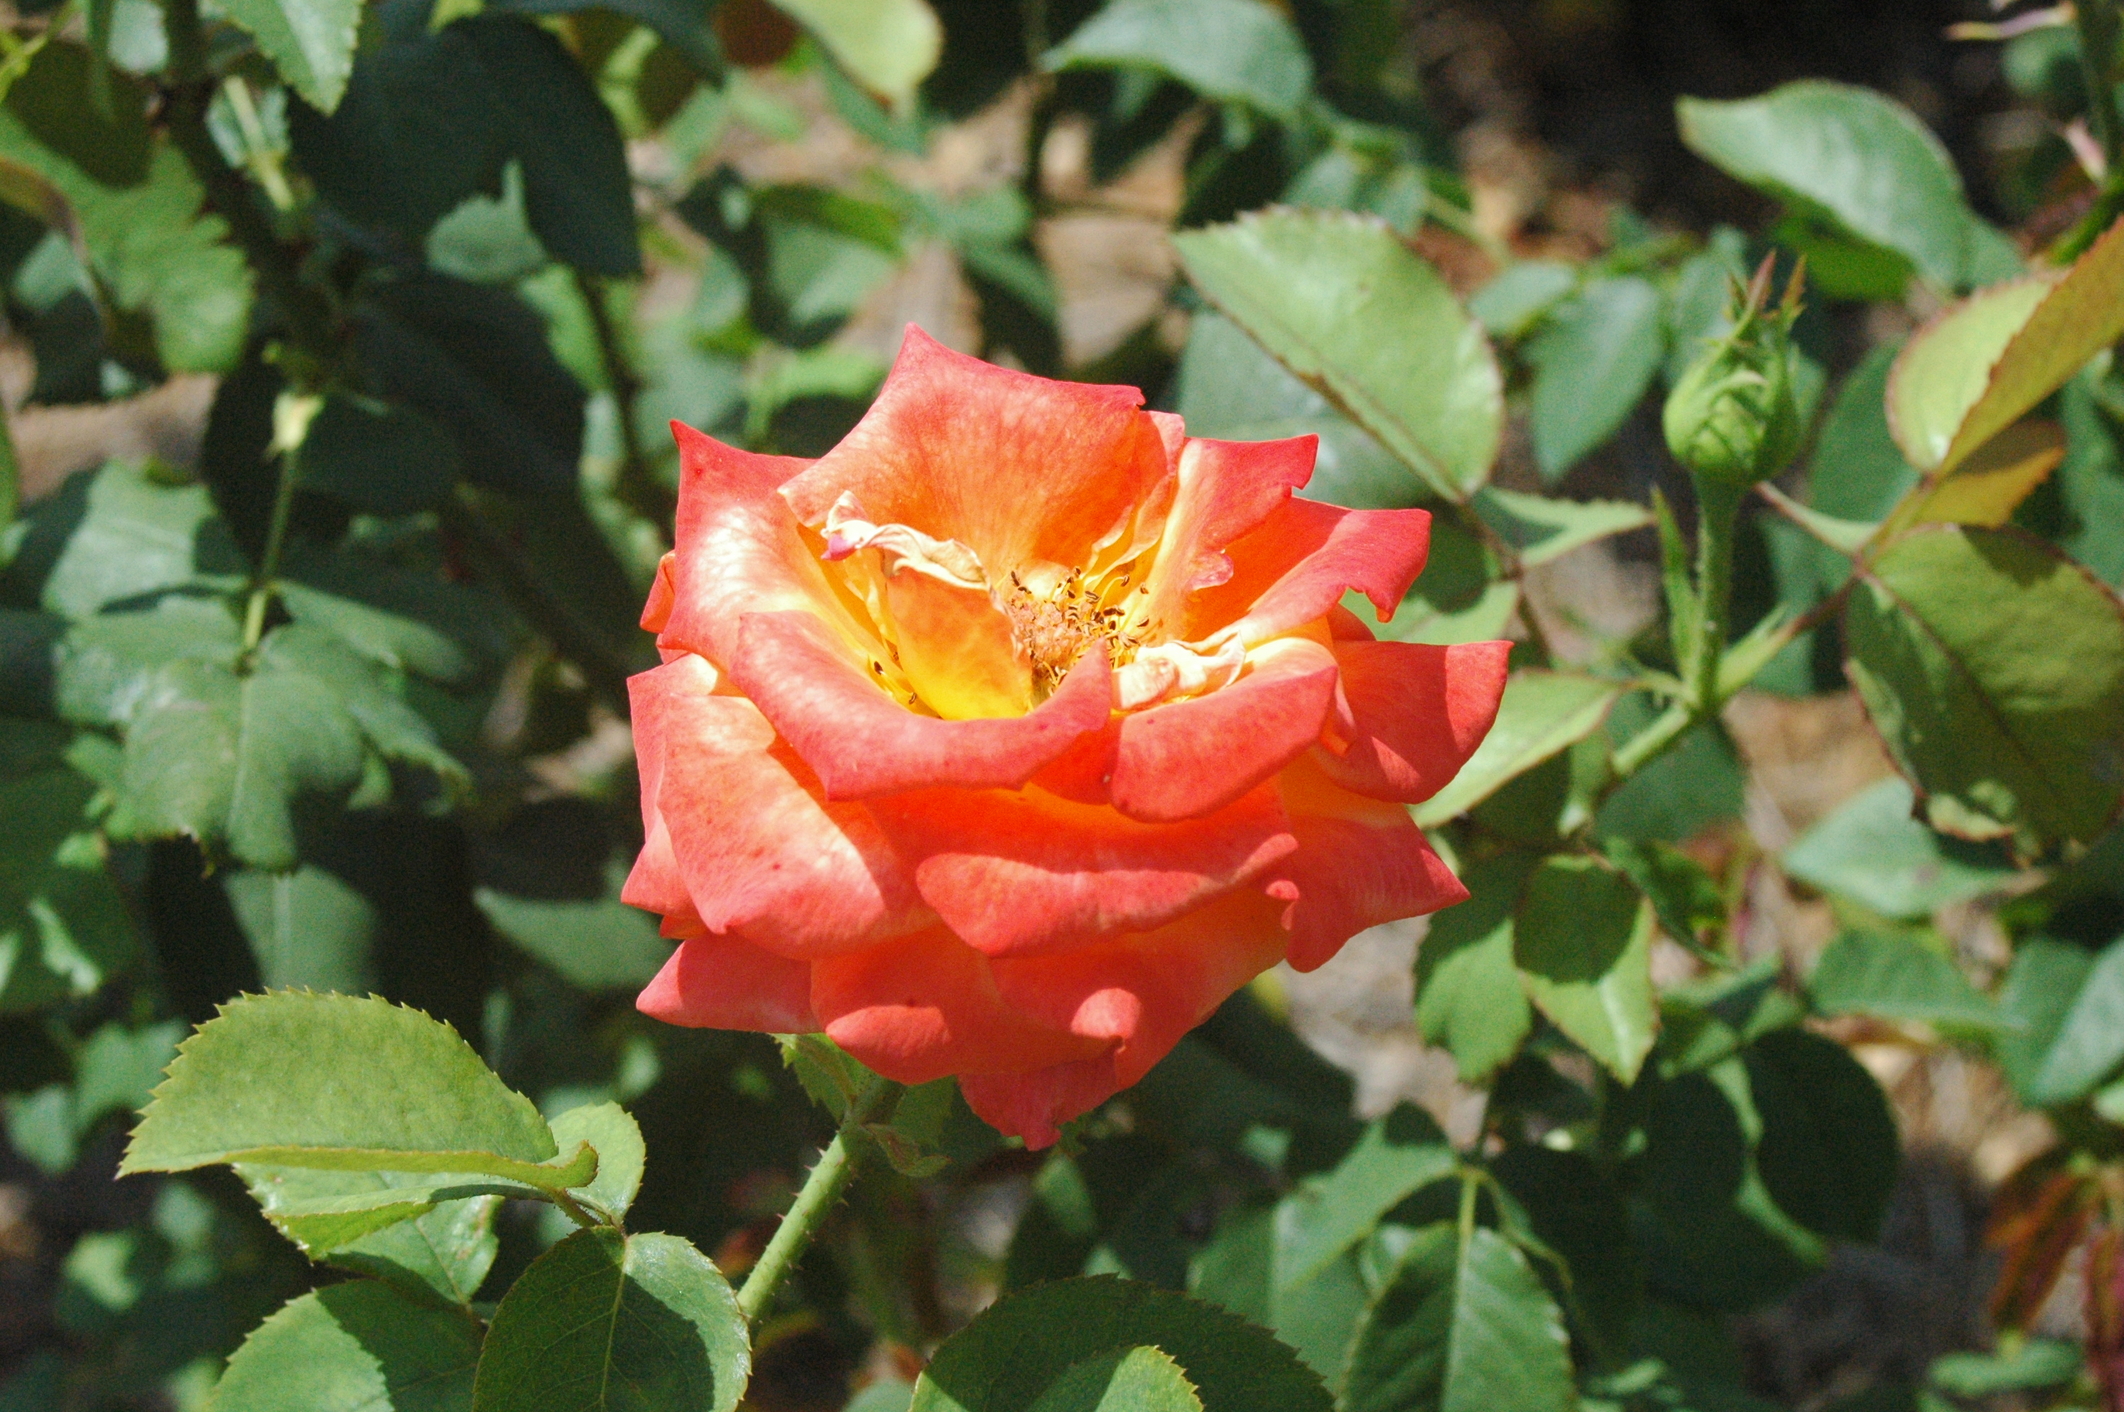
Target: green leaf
[[1228, 387], [154, 251], [2046, 977], [306, 928], [1851, 157], [64, 927], [611, 1130], [1695, 784], [1593, 363], [1010, 1355], [1828, 1149], [601, 944], [1711, 1236], [1872, 851], [311, 42], [341, 1083], [1575, 1207], [889, 46], [381, 459], [2036, 1364], [1542, 528], [389, 638], [1139, 1379], [432, 118], [2091, 480], [219, 755], [356, 1347], [324, 1212], [118, 1068], [608, 1321], [1340, 302], [1993, 668], [1468, 995], [104, 665], [1398, 1156], [1509, 305], [55, 99], [1462, 1326], [442, 1244], [137, 533], [1897, 978], [1942, 373], [1229, 51], [1541, 714], [1238, 1269], [1969, 374], [2088, 1041], [1689, 902], [1582, 938], [1857, 471]]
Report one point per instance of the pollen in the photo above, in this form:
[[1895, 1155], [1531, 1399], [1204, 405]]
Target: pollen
[[1057, 614]]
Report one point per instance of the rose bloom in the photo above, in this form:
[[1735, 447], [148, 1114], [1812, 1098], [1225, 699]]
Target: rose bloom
[[1014, 734]]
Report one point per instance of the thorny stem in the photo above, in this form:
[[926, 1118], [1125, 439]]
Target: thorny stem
[[822, 1188], [638, 485], [1717, 513], [2098, 26]]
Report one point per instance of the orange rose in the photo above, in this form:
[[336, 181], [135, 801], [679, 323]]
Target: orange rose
[[1015, 733]]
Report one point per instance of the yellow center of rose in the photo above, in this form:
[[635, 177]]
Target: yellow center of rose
[[968, 645]]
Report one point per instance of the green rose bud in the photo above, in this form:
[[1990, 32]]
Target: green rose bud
[[1734, 417]]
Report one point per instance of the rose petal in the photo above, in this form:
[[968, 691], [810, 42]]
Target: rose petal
[[760, 852], [1016, 467], [656, 613], [1185, 759], [740, 551], [1302, 560], [923, 1006], [955, 647], [1225, 490], [1411, 715], [1020, 872], [1345, 626], [1145, 991], [1035, 1105], [654, 883], [723, 983], [863, 743], [1360, 862]]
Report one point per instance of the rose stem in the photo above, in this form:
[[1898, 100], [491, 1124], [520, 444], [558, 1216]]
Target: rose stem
[[822, 1188]]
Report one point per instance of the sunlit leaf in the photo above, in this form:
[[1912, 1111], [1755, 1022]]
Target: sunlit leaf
[[1235, 51], [1582, 938], [1541, 714], [1463, 1326], [1347, 308], [605, 1320], [1976, 369], [1994, 670], [1008, 1357], [356, 1347]]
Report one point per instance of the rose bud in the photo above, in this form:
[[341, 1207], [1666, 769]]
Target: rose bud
[[1734, 419], [1010, 737]]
